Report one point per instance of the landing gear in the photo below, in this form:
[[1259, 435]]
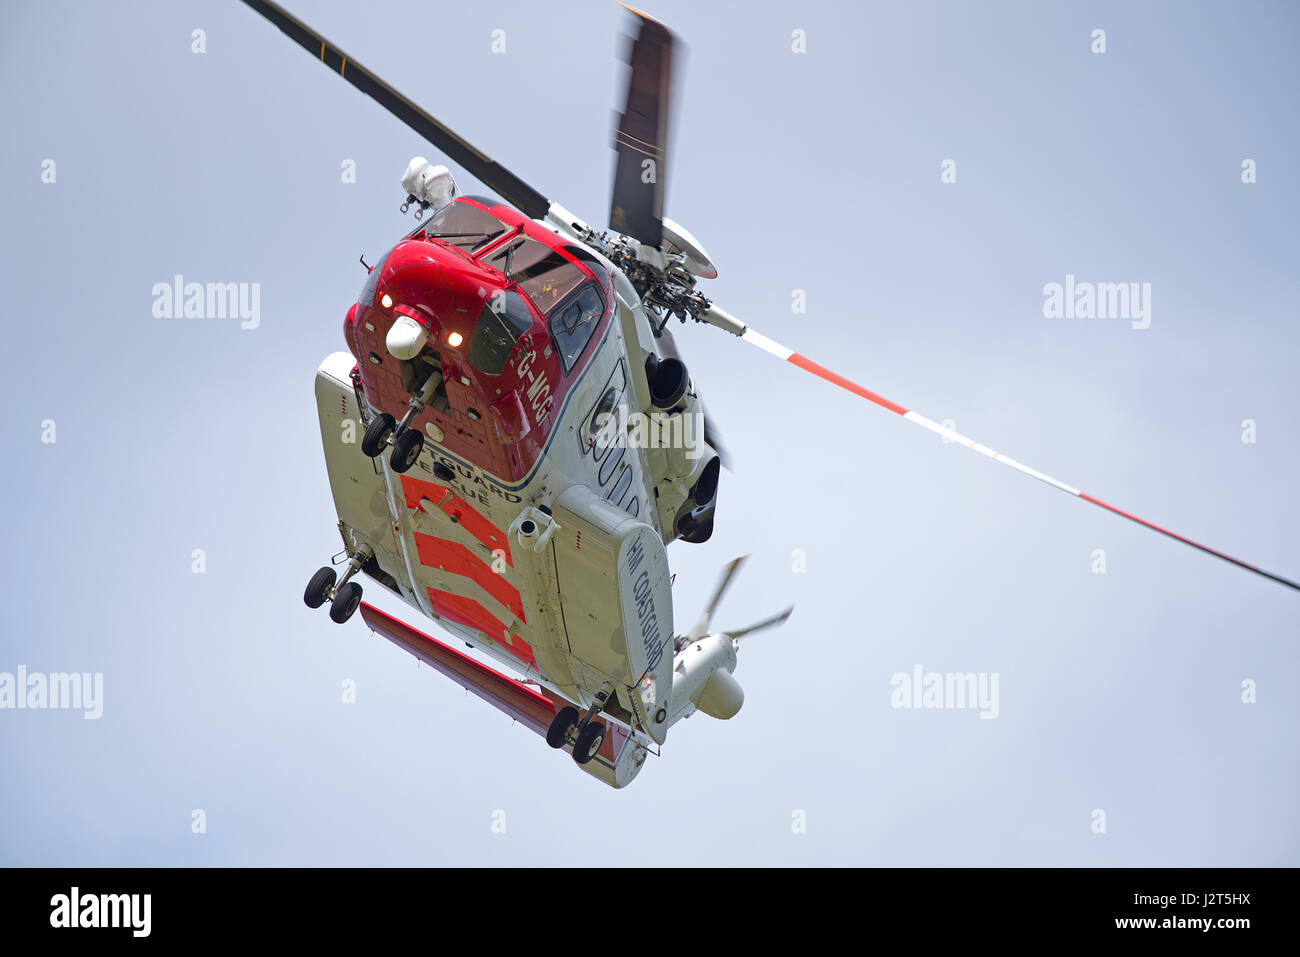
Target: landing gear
[[406, 442], [406, 450], [584, 730], [320, 587], [378, 432], [589, 741], [346, 600], [566, 719], [346, 595]]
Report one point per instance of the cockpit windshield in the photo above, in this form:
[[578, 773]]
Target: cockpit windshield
[[500, 325], [541, 273], [464, 226]]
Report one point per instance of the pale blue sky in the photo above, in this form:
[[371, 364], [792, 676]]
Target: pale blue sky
[[817, 172]]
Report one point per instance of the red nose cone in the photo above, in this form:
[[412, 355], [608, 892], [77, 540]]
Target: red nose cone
[[466, 356], [436, 284]]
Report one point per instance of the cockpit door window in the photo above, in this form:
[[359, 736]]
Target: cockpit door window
[[574, 323]]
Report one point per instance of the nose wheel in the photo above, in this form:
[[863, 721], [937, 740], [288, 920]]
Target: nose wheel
[[345, 596], [406, 442], [378, 432], [406, 450]]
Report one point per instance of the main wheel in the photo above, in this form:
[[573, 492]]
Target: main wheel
[[377, 433], [320, 586], [563, 721], [589, 741], [406, 449], [345, 602]]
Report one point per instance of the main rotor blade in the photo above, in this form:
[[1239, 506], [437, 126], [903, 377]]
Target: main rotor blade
[[641, 141], [493, 175], [777, 619], [720, 318], [701, 627]]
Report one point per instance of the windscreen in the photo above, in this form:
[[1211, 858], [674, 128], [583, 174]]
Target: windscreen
[[464, 226], [500, 325], [541, 273]]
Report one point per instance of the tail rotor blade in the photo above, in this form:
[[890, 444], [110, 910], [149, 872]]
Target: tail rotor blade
[[777, 619], [701, 627], [720, 318]]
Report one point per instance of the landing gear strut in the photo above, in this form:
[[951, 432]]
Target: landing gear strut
[[346, 595]]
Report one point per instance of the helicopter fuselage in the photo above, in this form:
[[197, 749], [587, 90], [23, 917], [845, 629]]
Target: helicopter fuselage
[[534, 521]]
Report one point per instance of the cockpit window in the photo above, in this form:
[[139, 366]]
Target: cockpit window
[[584, 256], [500, 325], [464, 226], [573, 324], [541, 273]]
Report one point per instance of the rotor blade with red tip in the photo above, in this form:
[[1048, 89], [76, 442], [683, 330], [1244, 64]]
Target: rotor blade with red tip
[[720, 318]]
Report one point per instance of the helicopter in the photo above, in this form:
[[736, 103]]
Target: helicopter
[[532, 440]]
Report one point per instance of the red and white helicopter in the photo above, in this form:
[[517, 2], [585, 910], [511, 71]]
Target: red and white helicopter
[[533, 442]]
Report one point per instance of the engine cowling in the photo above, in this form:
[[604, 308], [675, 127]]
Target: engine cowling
[[687, 496]]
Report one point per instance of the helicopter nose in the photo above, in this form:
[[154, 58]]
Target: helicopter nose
[[406, 338]]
